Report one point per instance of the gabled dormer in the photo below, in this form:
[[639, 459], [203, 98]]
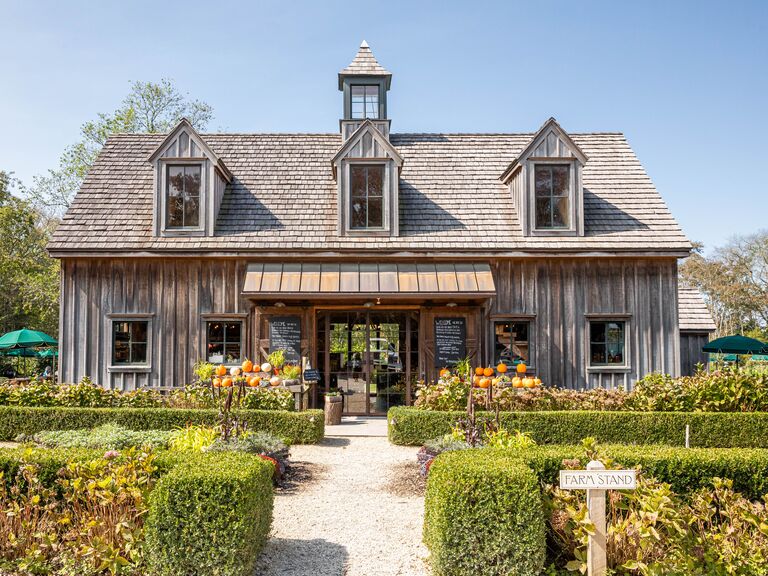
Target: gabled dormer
[[189, 184], [545, 181], [367, 166]]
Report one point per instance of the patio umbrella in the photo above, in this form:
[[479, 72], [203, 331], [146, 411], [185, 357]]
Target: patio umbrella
[[735, 345], [26, 339], [20, 352], [47, 352]]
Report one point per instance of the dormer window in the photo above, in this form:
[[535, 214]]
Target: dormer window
[[552, 196], [183, 188], [365, 101], [366, 196]]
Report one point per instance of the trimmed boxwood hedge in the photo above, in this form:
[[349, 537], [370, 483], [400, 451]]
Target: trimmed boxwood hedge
[[208, 513], [484, 516], [414, 427], [295, 427]]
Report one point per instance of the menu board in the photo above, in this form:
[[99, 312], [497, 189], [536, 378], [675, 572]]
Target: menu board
[[450, 341], [285, 334]]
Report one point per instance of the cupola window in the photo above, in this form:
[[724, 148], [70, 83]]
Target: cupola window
[[365, 101]]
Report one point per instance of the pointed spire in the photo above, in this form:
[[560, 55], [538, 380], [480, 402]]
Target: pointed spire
[[365, 64]]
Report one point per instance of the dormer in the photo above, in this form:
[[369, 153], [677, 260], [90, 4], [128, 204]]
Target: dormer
[[189, 184], [367, 166], [545, 181]]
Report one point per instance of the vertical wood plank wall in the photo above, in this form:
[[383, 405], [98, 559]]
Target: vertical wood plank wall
[[691, 344], [556, 295]]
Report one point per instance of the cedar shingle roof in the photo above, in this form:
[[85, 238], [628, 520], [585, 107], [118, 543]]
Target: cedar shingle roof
[[364, 64], [692, 311], [283, 197]]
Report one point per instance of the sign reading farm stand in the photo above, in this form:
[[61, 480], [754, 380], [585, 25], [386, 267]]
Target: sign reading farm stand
[[596, 480]]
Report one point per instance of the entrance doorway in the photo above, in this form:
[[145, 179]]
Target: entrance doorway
[[370, 357]]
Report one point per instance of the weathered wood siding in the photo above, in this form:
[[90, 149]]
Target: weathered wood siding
[[558, 295], [177, 292], [691, 344]]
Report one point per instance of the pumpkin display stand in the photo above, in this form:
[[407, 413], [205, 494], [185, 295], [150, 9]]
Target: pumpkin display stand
[[333, 408]]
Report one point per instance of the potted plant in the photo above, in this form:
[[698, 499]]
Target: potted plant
[[292, 378], [333, 407]]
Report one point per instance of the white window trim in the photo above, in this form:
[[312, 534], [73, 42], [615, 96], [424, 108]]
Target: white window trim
[[531, 321], [346, 184], [574, 200], [626, 367], [241, 318], [162, 176], [143, 367]]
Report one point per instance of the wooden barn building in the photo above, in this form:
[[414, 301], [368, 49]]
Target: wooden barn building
[[378, 256]]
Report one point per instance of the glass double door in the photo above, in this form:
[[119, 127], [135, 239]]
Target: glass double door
[[369, 357]]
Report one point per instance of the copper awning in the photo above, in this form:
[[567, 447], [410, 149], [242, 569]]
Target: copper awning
[[463, 279]]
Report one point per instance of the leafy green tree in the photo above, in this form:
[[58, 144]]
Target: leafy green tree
[[734, 281], [149, 107]]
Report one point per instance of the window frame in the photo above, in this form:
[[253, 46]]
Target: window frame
[[226, 319], [626, 365], [145, 366], [386, 166], [573, 184], [365, 101], [163, 165], [515, 319]]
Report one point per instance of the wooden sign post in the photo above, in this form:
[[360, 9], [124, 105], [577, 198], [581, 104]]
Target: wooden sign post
[[596, 480]]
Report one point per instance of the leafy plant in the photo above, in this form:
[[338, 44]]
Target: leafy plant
[[193, 437], [277, 358], [268, 399], [106, 437], [503, 438], [203, 370], [291, 372]]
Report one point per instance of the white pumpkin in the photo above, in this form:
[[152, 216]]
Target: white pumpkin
[[266, 367], [235, 371], [275, 381]]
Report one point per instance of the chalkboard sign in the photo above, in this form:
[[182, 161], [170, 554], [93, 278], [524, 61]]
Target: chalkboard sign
[[285, 334], [311, 375], [450, 341]]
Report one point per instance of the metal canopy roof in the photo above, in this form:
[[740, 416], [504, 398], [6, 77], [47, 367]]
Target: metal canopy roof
[[370, 279]]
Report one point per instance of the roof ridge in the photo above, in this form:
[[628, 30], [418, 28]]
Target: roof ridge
[[520, 134]]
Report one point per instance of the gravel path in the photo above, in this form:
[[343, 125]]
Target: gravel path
[[354, 507]]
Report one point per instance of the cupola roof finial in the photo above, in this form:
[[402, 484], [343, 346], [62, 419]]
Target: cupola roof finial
[[365, 64]]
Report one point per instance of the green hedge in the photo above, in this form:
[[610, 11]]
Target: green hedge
[[413, 427], [209, 514], [295, 427], [483, 516]]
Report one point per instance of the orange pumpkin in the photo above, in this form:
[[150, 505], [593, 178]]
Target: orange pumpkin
[[247, 366], [536, 382], [479, 371], [488, 371], [501, 368], [522, 368], [528, 382], [484, 382], [476, 380], [227, 382], [221, 370], [445, 372], [517, 382], [217, 382], [253, 381]]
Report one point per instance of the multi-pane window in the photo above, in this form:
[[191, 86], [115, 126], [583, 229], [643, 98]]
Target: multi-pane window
[[511, 344], [606, 343], [182, 193], [129, 341], [365, 101], [552, 196], [224, 342], [366, 196]]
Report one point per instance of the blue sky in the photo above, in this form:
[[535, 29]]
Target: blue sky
[[687, 82]]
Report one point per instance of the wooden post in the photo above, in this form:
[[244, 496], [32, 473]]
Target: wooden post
[[596, 554]]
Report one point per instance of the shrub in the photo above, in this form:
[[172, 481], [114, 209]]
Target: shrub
[[210, 514], [105, 437], [414, 427], [295, 427], [483, 517], [259, 443], [194, 437], [268, 399]]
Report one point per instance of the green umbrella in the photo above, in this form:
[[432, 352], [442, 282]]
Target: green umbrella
[[47, 352], [26, 339], [735, 345], [20, 352]]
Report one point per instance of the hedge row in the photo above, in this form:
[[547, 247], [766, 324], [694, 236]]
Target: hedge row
[[483, 508], [295, 427], [414, 427], [208, 513]]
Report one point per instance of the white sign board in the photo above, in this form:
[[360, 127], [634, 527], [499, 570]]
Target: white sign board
[[598, 480]]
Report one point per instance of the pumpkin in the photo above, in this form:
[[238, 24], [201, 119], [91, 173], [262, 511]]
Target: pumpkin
[[488, 371], [253, 381], [227, 382], [522, 368], [234, 371], [484, 382], [517, 382], [528, 382], [217, 382], [274, 381], [537, 382], [479, 371], [445, 372], [501, 368], [247, 366], [266, 367], [221, 370], [476, 380], [495, 381]]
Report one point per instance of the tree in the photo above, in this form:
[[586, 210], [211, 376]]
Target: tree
[[28, 276], [149, 107], [734, 281]]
